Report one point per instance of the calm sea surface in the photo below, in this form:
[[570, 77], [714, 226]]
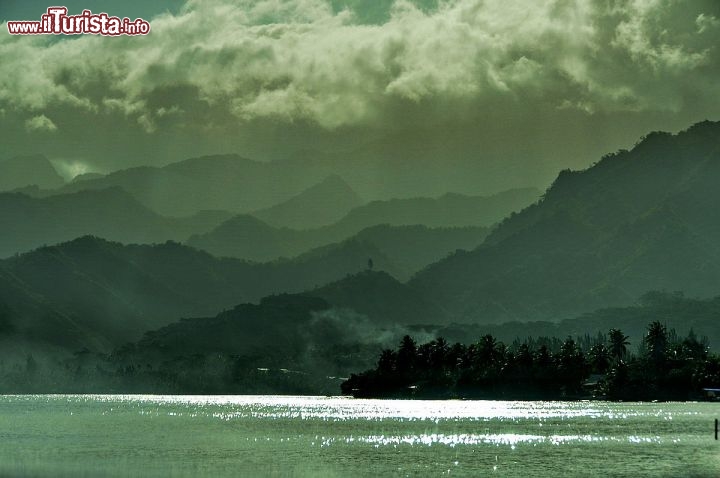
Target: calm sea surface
[[144, 435]]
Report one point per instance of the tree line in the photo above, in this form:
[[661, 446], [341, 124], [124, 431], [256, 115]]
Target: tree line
[[665, 367]]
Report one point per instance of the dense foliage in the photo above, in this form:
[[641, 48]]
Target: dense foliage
[[639, 220], [666, 367]]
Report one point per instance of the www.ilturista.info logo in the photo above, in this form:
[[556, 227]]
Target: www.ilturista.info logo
[[57, 22]]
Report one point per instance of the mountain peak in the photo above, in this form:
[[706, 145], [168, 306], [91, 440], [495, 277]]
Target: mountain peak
[[381, 297], [333, 180], [636, 220], [321, 204], [202, 162], [35, 169]]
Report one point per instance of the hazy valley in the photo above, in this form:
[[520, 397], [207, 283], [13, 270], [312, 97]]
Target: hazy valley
[[103, 266]]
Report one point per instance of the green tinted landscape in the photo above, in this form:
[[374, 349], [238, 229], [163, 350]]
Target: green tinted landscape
[[397, 198]]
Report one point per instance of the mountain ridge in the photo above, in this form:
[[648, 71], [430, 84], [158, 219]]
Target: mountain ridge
[[319, 205], [30, 170], [599, 237], [30, 222], [252, 239]]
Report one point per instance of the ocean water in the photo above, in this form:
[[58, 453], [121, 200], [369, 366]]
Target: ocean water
[[144, 435]]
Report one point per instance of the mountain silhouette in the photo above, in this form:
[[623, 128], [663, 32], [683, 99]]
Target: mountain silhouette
[[27, 318], [250, 238], [403, 250], [247, 237], [449, 210], [111, 293], [638, 220], [322, 204], [383, 299], [250, 329], [22, 171], [29, 222], [220, 182]]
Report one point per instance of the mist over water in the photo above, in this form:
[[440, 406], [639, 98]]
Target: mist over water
[[144, 435]]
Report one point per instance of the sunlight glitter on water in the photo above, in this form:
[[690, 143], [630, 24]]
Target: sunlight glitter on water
[[428, 440], [339, 408], [333, 436], [511, 439]]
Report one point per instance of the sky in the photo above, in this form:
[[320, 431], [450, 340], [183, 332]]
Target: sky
[[476, 95]]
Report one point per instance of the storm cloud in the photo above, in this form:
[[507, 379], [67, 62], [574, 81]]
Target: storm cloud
[[266, 77]]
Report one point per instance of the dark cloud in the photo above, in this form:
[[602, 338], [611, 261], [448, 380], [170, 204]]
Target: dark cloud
[[497, 87]]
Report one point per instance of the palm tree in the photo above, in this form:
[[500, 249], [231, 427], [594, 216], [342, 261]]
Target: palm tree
[[487, 350], [571, 368], [456, 355], [524, 356], [656, 342], [543, 357], [387, 361], [618, 344], [570, 354], [599, 357], [435, 353], [694, 348], [406, 355]]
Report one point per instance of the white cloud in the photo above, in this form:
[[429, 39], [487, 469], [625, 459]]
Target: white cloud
[[707, 22], [70, 168], [40, 123], [296, 60]]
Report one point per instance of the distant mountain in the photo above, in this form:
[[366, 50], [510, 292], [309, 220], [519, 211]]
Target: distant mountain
[[87, 176], [285, 344], [221, 182], [673, 310], [27, 316], [450, 210], [29, 222], [249, 238], [302, 343], [382, 298], [408, 164], [641, 220], [233, 183], [118, 292], [320, 205], [204, 220], [403, 250], [22, 171], [407, 249], [249, 329], [114, 293]]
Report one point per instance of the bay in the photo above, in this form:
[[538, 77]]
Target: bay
[[145, 435]]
